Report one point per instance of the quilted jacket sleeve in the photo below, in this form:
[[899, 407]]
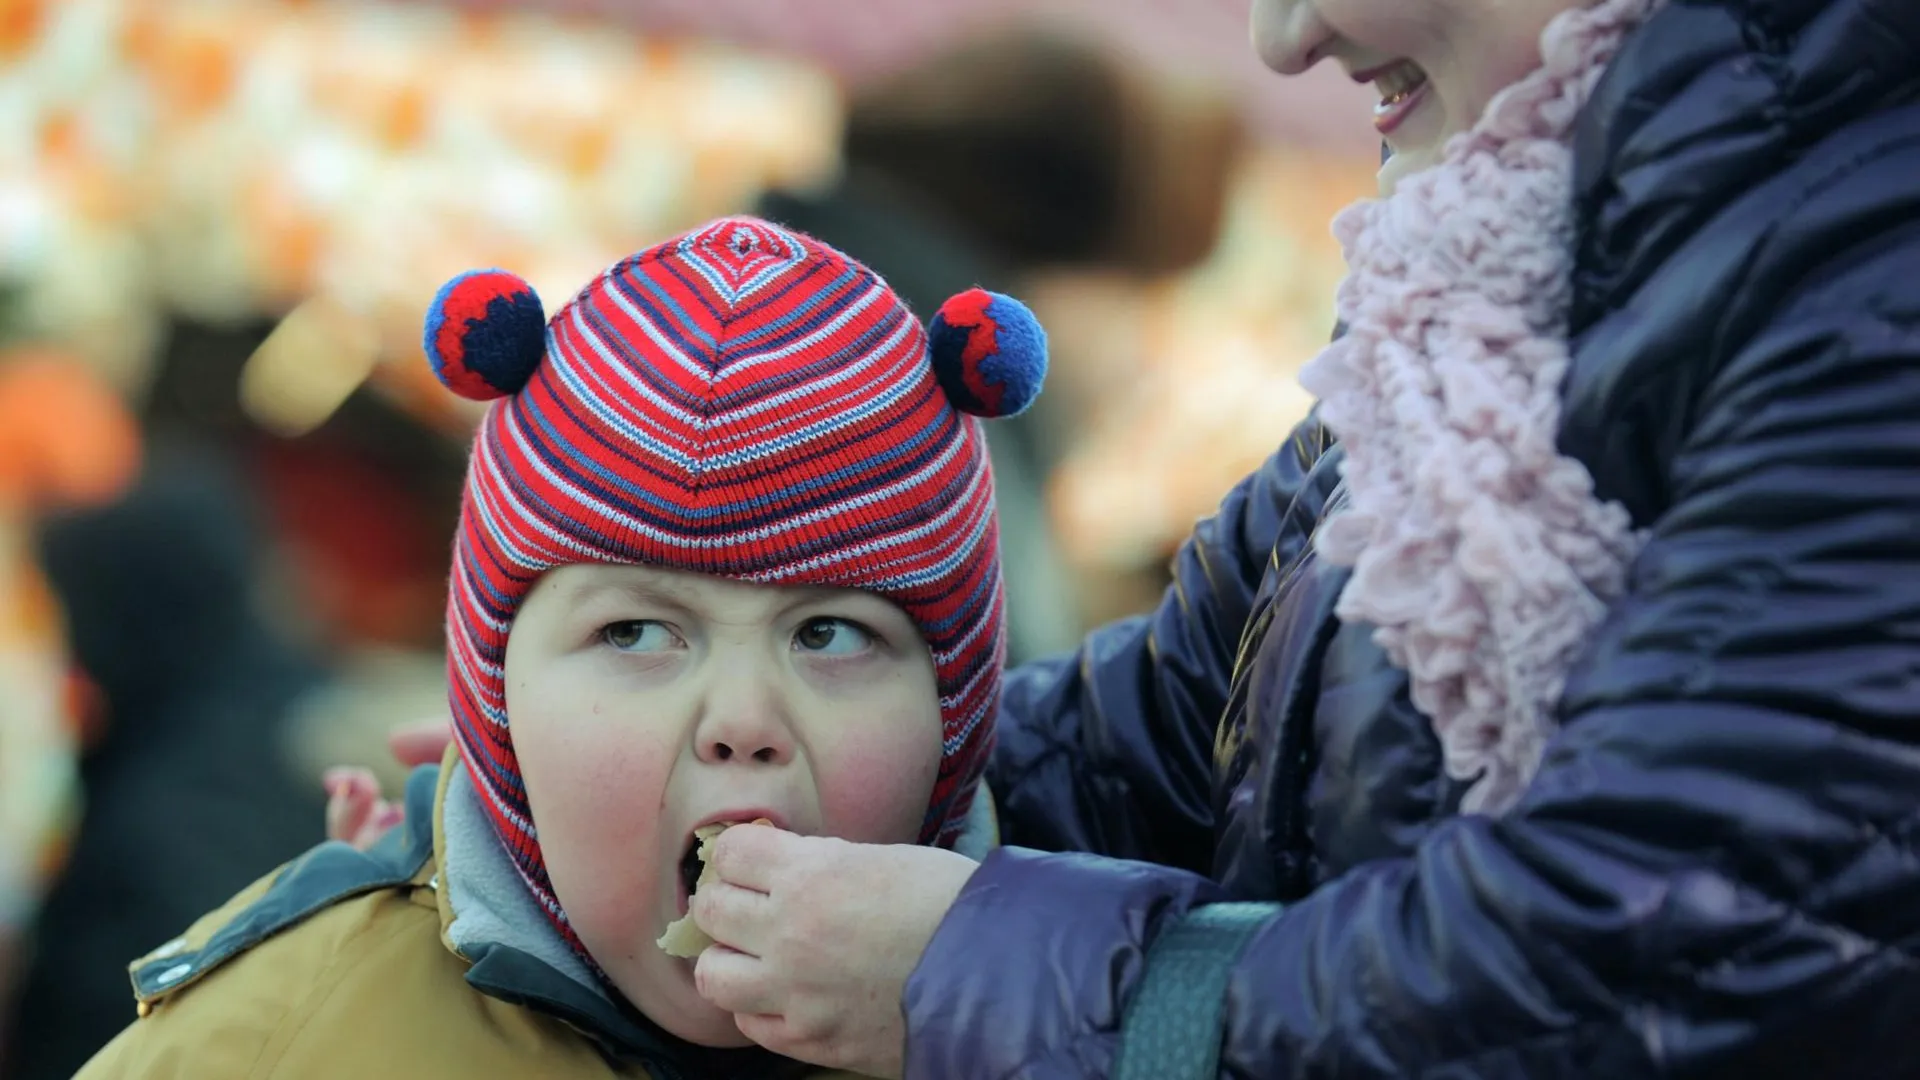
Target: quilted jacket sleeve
[[1716, 868], [1110, 749]]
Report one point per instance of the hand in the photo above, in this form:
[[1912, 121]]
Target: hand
[[423, 742], [356, 811], [817, 939]]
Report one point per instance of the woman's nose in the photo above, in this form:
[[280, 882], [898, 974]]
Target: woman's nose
[[1288, 34]]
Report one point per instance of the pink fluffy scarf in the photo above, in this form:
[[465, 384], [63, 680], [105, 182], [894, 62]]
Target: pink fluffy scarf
[[1479, 552]]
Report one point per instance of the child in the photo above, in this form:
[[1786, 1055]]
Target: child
[[727, 552]]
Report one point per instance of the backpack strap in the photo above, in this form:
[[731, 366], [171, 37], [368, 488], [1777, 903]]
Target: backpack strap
[[1172, 1027]]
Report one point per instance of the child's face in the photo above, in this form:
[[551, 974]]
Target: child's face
[[648, 702]]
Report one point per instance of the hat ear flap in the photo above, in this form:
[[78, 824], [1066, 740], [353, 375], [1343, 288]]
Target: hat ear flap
[[485, 335], [989, 353]]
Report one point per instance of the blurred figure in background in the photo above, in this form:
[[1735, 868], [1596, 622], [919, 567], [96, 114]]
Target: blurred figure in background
[[187, 793], [66, 440], [1017, 154]]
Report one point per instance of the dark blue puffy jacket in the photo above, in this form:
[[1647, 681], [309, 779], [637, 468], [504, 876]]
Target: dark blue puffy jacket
[[1716, 872]]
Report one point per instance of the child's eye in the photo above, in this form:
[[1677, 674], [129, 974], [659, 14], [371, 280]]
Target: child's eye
[[832, 637], [639, 635]]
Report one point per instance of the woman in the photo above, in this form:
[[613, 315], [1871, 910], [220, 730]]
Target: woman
[[1632, 483], [1558, 679]]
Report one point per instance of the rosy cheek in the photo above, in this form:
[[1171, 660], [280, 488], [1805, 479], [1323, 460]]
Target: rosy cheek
[[875, 790], [596, 793]]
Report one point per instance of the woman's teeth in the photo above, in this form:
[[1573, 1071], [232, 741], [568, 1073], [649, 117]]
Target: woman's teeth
[[1397, 84]]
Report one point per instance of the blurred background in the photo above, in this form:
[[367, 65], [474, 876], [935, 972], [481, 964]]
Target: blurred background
[[228, 478]]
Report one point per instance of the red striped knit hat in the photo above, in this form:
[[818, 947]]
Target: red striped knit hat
[[744, 402]]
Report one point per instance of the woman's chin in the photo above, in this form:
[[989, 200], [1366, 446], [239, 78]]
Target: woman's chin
[[1402, 165]]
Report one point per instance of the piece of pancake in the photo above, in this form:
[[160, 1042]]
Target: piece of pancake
[[683, 939]]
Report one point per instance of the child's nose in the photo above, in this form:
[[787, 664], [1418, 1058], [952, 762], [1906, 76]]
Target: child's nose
[[744, 722], [747, 742]]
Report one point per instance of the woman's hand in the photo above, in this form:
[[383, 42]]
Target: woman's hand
[[817, 939], [356, 811]]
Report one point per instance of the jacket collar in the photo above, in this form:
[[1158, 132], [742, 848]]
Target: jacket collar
[[488, 918]]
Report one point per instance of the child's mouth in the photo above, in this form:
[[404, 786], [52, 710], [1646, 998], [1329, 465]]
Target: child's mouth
[[683, 939], [690, 866], [693, 859]]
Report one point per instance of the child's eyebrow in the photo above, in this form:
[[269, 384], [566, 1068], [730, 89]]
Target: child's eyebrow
[[802, 595], [627, 586], [670, 595], [814, 595], [655, 593]]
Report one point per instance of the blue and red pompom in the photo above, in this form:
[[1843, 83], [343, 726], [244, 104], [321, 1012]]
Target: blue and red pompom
[[486, 334], [989, 353]]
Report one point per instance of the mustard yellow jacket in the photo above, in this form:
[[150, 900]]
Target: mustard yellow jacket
[[346, 965]]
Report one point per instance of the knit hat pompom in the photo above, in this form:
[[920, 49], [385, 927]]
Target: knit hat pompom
[[485, 334], [989, 353]]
